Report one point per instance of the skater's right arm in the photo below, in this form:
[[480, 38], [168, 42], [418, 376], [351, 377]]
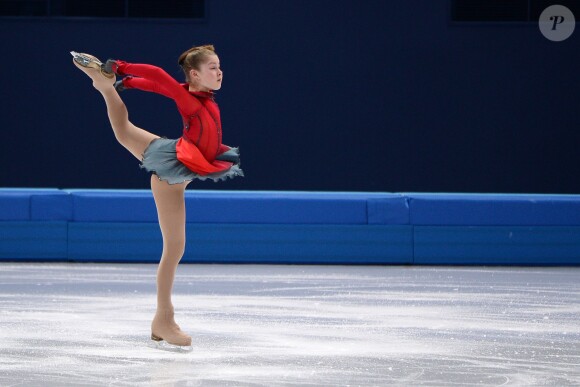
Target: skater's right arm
[[145, 85], [155, 79]]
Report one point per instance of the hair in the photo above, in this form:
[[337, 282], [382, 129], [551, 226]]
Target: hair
[[194, 57]]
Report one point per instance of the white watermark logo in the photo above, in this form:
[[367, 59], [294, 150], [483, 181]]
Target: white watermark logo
[[557, 23]]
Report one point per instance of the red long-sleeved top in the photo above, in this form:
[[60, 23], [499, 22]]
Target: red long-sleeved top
[[201, 141]]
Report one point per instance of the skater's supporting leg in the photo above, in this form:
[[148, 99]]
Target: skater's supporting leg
[[170, 203]]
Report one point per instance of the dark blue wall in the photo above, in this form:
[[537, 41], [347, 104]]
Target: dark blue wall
[[320, 95]]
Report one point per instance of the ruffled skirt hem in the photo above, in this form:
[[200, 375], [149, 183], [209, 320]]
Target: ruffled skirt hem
[[160, 158]]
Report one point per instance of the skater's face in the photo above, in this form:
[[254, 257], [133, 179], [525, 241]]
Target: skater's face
[[209, 76]]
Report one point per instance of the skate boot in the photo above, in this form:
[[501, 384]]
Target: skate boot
[[167, 334], [90, 61]]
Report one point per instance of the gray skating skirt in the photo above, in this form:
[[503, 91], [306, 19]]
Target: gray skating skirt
[[160, 158]]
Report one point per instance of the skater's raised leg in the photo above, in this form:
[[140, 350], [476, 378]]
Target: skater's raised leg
[[133, 138]]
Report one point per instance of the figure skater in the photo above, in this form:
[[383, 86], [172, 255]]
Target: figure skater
[[198, 154]]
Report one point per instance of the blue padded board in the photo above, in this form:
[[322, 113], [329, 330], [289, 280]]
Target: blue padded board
[[245, 207], [495, 229], [113, 206], [46, 240], [114, 242], [52, 206], [295, 227], [34, 204], [391, 209], [14, 206], [245, 243], [498, 245], [226, 226], [33, 223], [494, 209], [305, 244]]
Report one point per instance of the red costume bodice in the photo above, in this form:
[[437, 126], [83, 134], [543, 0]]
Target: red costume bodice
[[201, 141]]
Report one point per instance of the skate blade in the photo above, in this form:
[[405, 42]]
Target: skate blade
[[81, 59], [165, 346]]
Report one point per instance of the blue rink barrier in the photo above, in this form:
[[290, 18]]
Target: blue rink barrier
[[295, 227]]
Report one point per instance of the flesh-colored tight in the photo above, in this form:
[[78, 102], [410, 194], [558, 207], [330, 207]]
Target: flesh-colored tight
[[169, 199]]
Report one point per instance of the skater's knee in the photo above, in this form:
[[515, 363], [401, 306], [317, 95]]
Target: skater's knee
[[134, 139], [128, 141], [174, 247], [122, 134]]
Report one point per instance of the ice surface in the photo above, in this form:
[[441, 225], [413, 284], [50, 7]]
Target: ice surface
[[88, 324]]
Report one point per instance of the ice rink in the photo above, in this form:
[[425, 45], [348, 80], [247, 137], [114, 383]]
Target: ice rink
[[264, 325]]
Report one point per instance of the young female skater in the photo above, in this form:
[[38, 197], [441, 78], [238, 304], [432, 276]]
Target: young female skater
[[198, 154]]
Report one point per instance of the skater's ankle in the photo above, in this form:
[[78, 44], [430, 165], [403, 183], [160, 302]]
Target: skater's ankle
[[165, 313], [104, 89], [164, 308]]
